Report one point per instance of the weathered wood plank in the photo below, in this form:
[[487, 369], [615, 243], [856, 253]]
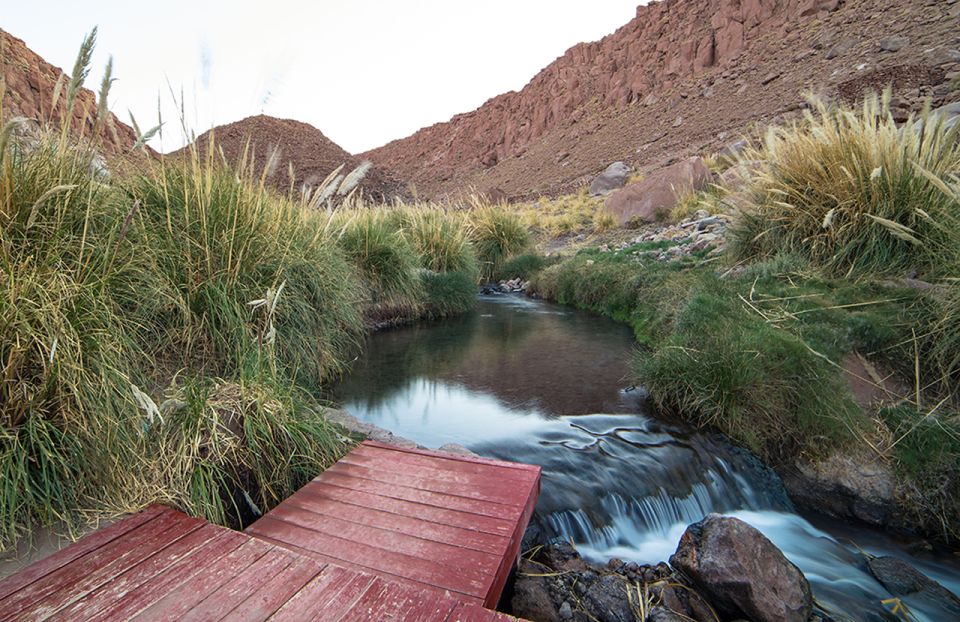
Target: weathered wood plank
[[488, 489], [101, 564], [445, 554], [462, 464], [421, 465], [91, 542], [468, 612], [225, 550], [334, 589], [271, 595], [238, 588], [470, 581], [120, 586], [172, 606], [412, 525], [464, 520], [473, 506]]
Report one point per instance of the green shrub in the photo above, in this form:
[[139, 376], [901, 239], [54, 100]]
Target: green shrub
[[497, 235], [847, 190]]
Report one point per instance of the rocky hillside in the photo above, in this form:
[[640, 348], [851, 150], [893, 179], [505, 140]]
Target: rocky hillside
[[311, 154], [682, 76], [30, 82]]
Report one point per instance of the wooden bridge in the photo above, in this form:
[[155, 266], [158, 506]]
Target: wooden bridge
[[384, 534]]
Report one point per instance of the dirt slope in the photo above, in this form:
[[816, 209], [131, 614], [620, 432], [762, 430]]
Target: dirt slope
[[30, 82], [683, 76], [312, 155]]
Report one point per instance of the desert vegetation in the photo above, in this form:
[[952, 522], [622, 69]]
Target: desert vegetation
[[844, 244], [169, 323]]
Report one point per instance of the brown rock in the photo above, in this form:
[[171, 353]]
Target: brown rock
[[653, 198], [741, 572], [664, 44]]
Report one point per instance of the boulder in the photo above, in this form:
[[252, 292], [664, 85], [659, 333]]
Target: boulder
[[613, 178], [741, 572], [652, 199]]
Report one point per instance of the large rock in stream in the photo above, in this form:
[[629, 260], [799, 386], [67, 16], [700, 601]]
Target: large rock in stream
[[741, 572]]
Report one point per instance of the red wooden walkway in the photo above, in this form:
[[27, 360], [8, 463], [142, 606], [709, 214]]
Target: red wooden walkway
[[386, 534]]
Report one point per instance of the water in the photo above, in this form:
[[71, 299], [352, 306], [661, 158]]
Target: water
[[523, 380]]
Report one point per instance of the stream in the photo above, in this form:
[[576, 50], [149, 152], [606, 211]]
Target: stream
[[524, 380]]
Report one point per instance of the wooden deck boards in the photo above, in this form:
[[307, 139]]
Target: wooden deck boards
[[386, 534], [448, 523]]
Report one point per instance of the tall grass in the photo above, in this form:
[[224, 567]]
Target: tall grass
[[67, 352], [497, 235], [846, 189], [220, 240], [386, 260]]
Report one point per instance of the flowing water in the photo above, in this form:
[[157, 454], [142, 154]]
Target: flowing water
[[524, 380]]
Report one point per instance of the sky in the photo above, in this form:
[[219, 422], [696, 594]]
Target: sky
[[363, 71]]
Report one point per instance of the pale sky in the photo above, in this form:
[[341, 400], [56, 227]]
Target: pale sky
[[363, 71]]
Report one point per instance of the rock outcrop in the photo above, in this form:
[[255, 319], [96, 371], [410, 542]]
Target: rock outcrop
[[29, 85], [741, 572], [681, 76]]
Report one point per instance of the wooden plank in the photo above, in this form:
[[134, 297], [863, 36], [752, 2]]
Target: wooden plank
[[443, 455], [333, 561], [272, 594], [429, 550], [99, 565], [334, 590], [468, 612], [494, 510], [463, 520], [469, 581], [488, 489], [412, 525], [397, 602], [440, 469], [119, 588], [511, 555], [172, 606], [61, 558], [238, 588], [225, 549], [509, 471]]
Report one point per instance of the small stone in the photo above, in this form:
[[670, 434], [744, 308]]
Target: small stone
[[770, 78], [894, 44], [566, 611]]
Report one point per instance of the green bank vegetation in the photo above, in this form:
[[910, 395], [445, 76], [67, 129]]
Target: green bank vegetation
[[167, 324], [839, 208]]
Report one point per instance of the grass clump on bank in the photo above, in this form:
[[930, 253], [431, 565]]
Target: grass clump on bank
[[851, 191], [497, 235]]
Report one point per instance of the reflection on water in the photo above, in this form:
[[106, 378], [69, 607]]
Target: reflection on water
[[521, 380]]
